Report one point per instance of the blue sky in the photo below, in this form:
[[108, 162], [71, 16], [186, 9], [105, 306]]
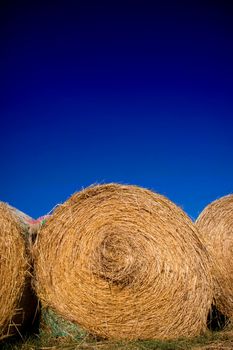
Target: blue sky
[[136, 92]]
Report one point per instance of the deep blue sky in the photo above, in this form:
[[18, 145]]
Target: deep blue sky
[[137, 92]]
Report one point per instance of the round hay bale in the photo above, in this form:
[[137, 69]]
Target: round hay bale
[[17, 302], [124, 263], [215, 225]]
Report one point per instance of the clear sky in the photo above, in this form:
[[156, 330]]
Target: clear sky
[[136, 92]]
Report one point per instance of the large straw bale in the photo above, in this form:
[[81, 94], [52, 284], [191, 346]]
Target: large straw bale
[[124, 263], [17, 302], [215, 224]]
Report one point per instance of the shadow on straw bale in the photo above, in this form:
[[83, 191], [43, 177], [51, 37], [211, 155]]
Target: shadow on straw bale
[[216, 320]]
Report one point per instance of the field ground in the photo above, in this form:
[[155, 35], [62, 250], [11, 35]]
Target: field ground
[[222, 340]]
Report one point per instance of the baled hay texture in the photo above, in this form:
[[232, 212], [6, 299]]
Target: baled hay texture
[[215, 224], [14, 271], [35, 227], [124, 263]]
